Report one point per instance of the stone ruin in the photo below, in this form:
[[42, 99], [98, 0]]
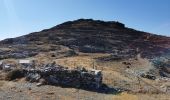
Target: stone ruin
[[58, 75], [54, 74]]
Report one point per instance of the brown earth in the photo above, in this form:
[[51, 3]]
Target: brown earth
[[107, 46]]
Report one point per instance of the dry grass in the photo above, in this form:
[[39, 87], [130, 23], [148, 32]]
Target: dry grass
[[125, 96], [55, 93], [112, 72], [1, 83], [5, 49]]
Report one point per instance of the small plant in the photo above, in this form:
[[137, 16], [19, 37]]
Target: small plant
[[70, 53], [14, 74]]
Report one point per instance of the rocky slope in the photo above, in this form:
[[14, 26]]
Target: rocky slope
[[90, 36], [92, 43]]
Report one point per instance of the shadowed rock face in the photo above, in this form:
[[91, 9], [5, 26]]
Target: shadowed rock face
[[95, 36]]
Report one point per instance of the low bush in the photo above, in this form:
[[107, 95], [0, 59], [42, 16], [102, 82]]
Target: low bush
[[14, 74], [70, 53]]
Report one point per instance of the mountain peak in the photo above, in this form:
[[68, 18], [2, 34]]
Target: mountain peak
[[96, 36], [89, 24]]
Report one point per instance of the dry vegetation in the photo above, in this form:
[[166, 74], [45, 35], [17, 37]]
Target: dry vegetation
[[86, 43], [114, 75]]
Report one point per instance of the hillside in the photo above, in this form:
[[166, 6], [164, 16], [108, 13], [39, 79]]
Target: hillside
[[135, 65], [91, 36]]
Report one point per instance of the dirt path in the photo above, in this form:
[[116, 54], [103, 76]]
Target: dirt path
[[29, 91]]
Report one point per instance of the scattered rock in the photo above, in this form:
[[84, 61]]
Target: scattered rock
[[148, 76]]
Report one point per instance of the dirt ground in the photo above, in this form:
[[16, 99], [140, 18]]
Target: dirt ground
[[29, 91], [114, 75]]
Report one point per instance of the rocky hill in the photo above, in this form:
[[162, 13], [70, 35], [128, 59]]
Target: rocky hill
[[90, 36], [109, 47]]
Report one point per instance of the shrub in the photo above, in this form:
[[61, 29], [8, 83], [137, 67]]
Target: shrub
[[14, 74], [70, 53]]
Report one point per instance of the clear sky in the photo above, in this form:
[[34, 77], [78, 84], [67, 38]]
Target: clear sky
[[19, 17]]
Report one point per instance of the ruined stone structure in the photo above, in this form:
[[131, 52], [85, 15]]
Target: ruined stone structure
[[58, 75], [54, 74]]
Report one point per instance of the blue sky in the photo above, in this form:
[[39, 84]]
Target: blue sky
[[19, 17]]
